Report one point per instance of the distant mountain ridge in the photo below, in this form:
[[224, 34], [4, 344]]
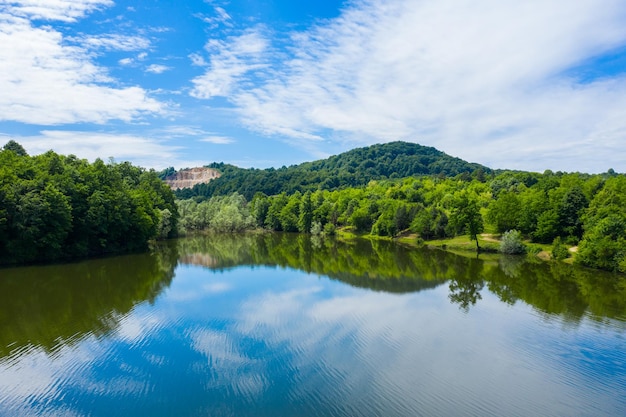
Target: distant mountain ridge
[[349, 169]]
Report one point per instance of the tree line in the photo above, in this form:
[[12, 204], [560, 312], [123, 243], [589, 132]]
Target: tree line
[[54, 206], [349, 169], [554, 208]]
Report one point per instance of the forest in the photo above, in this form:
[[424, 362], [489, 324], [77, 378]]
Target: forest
[[350, 169], [59, 207], [560, 209], [54, 206]]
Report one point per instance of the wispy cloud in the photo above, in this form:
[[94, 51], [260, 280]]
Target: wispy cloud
[[230, 61], [46, 81], [218, 140], [115, 42], [488, 81], [143, 151], [157, 69], [63, 10], [219, 17]]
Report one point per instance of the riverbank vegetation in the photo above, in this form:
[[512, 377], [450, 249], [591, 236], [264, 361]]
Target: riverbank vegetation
[[557, 209], [54, 206]]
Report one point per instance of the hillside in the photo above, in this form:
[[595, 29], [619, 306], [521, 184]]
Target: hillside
[[349, 169]]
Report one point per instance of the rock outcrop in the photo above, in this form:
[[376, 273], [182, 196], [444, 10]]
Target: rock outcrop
[[187, 178]]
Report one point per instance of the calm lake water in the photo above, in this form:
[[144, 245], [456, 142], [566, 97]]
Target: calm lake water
[[280, 325]]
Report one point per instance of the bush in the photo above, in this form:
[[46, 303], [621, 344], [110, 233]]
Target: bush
[[316, 228], [512, 243], [533, 249], [330, 229], [559, 250]]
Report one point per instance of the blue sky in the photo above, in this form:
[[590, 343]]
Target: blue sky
[[532, 85]]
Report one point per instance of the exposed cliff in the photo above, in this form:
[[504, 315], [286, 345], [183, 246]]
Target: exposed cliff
[[187, 178]]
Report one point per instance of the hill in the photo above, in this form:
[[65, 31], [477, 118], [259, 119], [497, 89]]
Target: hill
[[349, 169]]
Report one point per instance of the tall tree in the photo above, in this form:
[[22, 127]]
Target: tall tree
[[466, 216], [15, 147]]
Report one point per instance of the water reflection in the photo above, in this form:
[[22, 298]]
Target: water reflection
[[48, 307], [251, 326], [552, 288]]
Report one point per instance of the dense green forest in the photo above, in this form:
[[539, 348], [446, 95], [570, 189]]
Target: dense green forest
[[54, 206], [350, 169], [550, 208]]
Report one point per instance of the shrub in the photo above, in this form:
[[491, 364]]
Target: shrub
[[533, 249], [559, 250], [330, 229], [316, 228], [512, 243]]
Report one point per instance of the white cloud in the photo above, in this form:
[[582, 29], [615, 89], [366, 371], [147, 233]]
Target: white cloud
[[198, 60], [179, 131], [143, 151], [220, 17], [116, 42], [45, 81], [63, 10], [218, 140], [230, 61], [157, 69], [490, 81]]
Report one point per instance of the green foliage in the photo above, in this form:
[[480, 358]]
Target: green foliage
[[54, 206], [166, 173], [219, 214], [430, 223], [512, 243], [15, 147], [533, 249], [350, 169], [466, 217], [547, 226], [330, 229], [305, 217], [385, 225], [361, 189], [604, 242], [316, 228], [504, 212], [559, 250]]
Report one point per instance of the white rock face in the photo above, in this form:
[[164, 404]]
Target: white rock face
[[187, 178]]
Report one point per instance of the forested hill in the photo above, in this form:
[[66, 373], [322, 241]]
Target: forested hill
[[58, 207], [353, 168]]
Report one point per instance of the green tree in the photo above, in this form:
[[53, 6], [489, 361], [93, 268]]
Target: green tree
[[466, 217], [571, 210], [306, 213], [504, 212], [13, 146], [559, 250]]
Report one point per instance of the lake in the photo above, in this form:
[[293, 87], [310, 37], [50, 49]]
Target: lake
[[288, 325]]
